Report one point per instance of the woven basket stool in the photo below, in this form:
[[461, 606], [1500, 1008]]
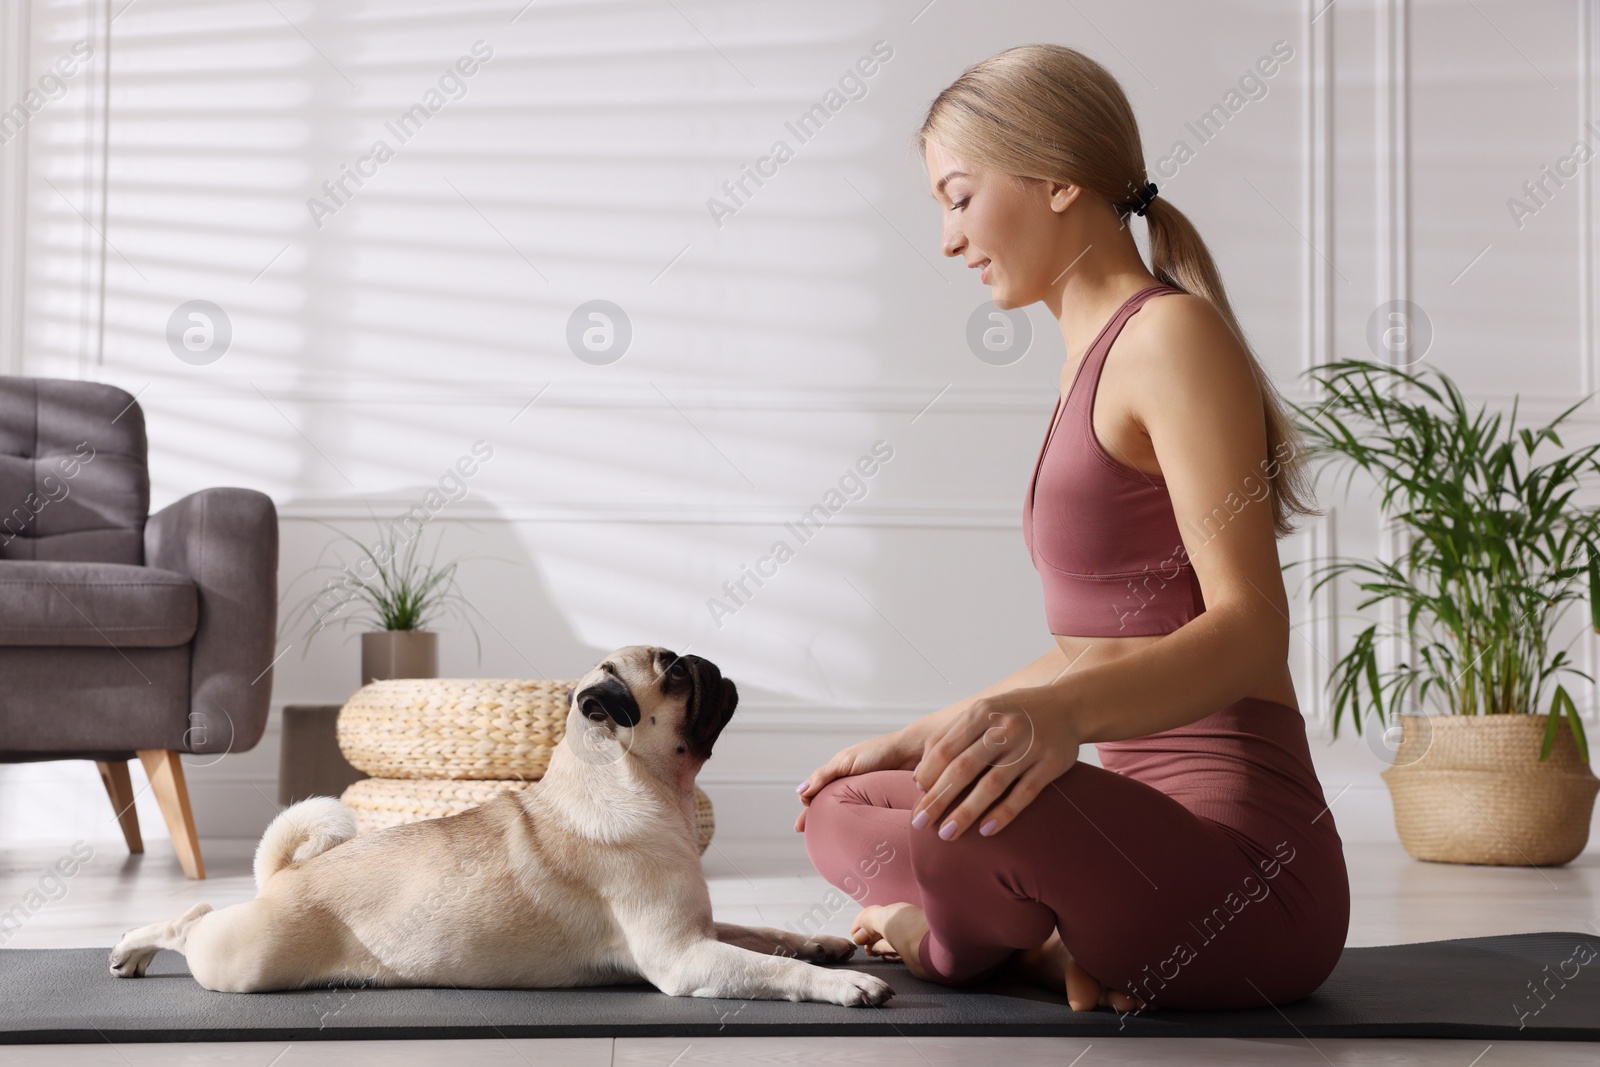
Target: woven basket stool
[[438, 746], [454, 727]]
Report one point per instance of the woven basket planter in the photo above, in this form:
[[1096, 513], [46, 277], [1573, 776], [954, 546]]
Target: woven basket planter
[[1472, 789], [483, 728], [381, 802], [438, 746]]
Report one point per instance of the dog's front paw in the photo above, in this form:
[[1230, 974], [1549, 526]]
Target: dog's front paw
[[130, 962], [854, 989], [826, 950]]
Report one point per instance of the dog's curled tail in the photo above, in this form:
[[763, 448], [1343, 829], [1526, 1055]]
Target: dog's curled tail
[[301, 831]]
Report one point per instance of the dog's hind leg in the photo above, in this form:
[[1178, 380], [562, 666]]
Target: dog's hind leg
[[138, 946], [770, 941]]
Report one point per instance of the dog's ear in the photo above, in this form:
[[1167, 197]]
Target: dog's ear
[[610, 698], [710, 706]]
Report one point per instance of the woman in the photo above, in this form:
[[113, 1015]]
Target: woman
[[1200, 866]]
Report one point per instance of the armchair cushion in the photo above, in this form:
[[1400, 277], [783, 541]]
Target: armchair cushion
[[73, 484], [95, 604]]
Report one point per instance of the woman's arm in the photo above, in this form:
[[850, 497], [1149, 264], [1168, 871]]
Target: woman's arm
[[1041, 672], [901, 749], [1208, 663]]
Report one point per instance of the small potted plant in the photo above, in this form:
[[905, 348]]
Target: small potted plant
[[395, 593], [1494, 552]]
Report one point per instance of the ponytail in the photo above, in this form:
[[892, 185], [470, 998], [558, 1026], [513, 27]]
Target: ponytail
[[1178, 257]]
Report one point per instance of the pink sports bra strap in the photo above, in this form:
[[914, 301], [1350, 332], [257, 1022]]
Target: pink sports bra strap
[[1094, 360]]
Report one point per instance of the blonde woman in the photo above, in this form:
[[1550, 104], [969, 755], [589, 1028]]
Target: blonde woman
[[1200, 866]]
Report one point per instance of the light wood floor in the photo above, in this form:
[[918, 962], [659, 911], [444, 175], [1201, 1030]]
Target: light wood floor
[[1395, 900]]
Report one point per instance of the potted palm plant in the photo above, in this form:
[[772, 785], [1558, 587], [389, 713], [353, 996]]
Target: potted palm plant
[[1494, 552], [395, 592]]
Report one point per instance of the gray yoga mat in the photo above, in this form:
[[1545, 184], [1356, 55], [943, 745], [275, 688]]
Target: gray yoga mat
[[1478, 987]]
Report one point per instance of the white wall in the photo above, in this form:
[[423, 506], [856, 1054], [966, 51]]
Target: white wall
[[370, 351]]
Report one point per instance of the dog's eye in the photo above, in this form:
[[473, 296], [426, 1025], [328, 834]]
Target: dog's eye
[[677, 670]]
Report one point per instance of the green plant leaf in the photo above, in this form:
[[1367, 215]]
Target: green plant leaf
[[1569, 710], [1594, 587], [1550, 726], [1494, 549], [1578, 736], [1376, 689]]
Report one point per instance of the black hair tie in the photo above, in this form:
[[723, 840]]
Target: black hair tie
[[1145, 195]]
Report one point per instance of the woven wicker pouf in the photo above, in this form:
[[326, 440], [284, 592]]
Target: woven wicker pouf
[[438, 746], [454, 727]]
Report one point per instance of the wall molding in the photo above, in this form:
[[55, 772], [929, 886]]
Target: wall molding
[[1321, 629], [1393, 244], [970, 513], [523, 398], [15, 69], [1317, 182], [1588, 35], [943, 514], [76, 131], [1394, 151], [754, 716], [97, 168], [1588, 43], [517, 399]]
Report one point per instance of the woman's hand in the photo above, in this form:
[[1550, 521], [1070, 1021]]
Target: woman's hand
[[1021, 740], [897, 751]]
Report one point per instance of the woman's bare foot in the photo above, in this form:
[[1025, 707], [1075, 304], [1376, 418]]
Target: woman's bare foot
[[1052, 967], [893, 931]]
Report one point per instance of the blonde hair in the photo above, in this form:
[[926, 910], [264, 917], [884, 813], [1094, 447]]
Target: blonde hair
[[1048, 112]]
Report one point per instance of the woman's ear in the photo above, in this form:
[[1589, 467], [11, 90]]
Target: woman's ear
[[1063, 195]]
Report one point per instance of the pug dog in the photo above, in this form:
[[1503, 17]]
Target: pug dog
[[590, 876]]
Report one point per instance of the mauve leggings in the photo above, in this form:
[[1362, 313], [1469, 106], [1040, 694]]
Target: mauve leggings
[[1199, 868]]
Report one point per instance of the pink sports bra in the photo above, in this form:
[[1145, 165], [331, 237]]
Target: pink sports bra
[[1102, 534]]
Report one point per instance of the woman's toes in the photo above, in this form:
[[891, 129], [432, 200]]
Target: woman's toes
[[881, 947], [1085, 992], [1083, 989], [866, 923], [1122, 1002], [868, 932]]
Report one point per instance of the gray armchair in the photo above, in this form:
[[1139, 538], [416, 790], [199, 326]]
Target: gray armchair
[[121, 632]]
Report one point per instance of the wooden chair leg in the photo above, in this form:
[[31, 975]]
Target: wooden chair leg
[[119, 787], [165, 772]]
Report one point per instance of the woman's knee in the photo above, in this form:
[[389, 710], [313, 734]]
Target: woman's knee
[[827, 814], [831, 832], [878, 789], [855, 844]]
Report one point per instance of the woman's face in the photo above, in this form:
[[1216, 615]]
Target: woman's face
[[1010, 230]]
